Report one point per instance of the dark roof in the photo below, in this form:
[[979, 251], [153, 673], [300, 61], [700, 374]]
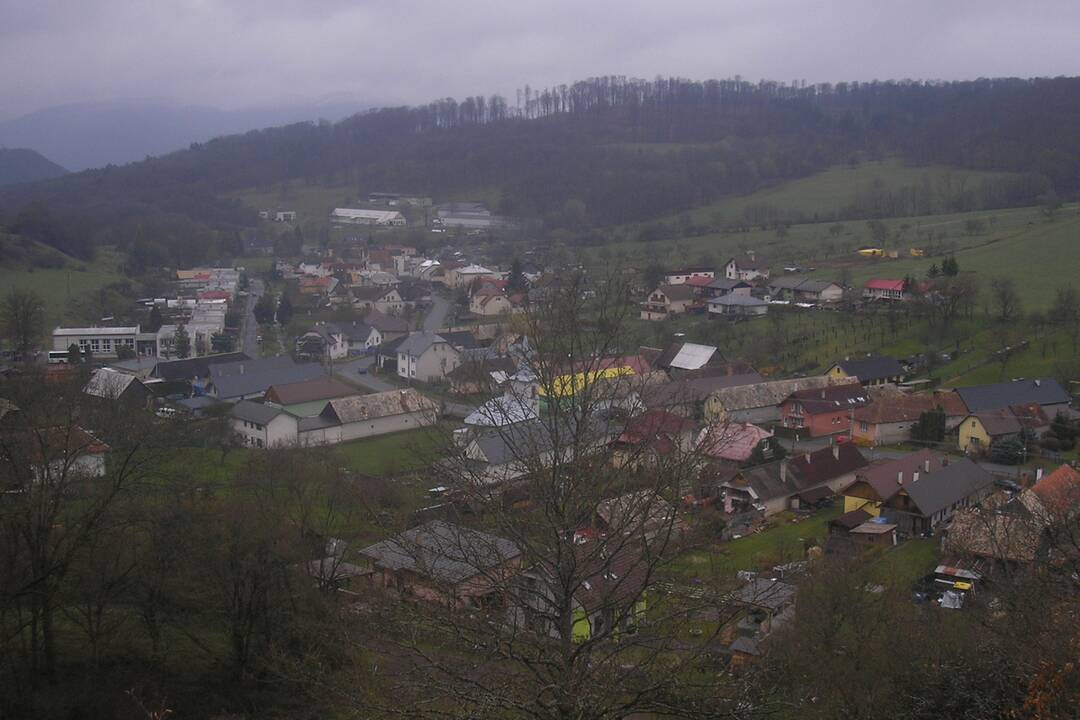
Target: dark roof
[[323, 387], [386, 323], [694, 390], [677, 292], [248, 377], [902, 407], [390, 347], [418, 343], [461, 339], [610, 581], [255, 412], [1044, 391], [851, 519], [872, 369], [1013, 419], [882, 476], [770, 595], [827, 463], [945, 487], [442, 551], [831, 398], [479, 369], [523, 440], [196, 367], [723, 283]]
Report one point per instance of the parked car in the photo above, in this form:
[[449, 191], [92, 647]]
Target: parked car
[[361, 371]]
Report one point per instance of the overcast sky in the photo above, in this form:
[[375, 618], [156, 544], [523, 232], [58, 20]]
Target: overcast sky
[[238, 53]]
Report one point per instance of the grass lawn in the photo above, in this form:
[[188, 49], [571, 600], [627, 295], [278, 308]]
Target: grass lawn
[[902, 565], [61, 288], [393, 454], [783, 542]]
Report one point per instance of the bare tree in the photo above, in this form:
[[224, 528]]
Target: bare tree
[[22, 318], [1005, 298], [586, 489]]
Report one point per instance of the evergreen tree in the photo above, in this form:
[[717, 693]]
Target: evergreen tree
[[515, 281], [74, 356], [284, 310], [933, 272], [950, 267], [181, 342], [154, 322]]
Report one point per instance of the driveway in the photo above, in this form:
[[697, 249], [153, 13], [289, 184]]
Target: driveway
[[436, 317], [350, 370], [250, 330]]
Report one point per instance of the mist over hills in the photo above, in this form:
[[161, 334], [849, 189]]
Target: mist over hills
[[595, 154], [90, 135], [21, 165]]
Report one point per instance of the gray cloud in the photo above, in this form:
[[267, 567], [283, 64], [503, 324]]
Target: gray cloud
[[236, 53]]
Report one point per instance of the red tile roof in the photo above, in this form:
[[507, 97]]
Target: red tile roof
[[884, 284], [1060, 490]]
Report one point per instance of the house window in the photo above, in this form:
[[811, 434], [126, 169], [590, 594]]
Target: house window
[[864, 426]]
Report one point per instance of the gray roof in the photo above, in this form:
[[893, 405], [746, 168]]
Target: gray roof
[[723, 283], [693, 390], [255, 412], [768, 594], [523, 440], [442, 551], [800, 284], [196, 367], [677, 292], [733, 299], [1044, 391], [417, 343], [942, 488], [765, 394], [358, 408], [871, 369], [248, 377]]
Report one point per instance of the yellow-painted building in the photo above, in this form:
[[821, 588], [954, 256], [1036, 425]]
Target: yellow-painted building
[[973, 435]]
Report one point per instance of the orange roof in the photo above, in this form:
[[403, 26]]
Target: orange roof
[[1060, 490]]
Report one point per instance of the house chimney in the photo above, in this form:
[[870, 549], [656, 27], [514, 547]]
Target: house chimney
[[926, 465], [783, 471], [807, 458], [1038, 474], [900, 477], [915, 476], [836, 452], [1038, 382], [241, 368]]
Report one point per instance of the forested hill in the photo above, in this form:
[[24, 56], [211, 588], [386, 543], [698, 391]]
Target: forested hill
[[609, 149], [19, 165]]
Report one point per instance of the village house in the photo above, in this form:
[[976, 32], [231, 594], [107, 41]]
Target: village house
[[824, 411], [766, 605], [722, 286], [444, 563], [247, 379], [687, 397], [875, 484], [668, 300], [389, 327], [119, 387], [426, 357], [476, 375], [734, 304], [802, 290], [1046, 392], [462, 276], [747, 269], [732, 442], [801, 481], [609, 600], [889, 418], [307, 397], [1005, 528], [318, 286], [884, 289], [980, 431], [267, 425], [652, 436], [491, 302], [683, 275], [870, 370], [930, 499], [759, 402], [354, 216], [385, 299]]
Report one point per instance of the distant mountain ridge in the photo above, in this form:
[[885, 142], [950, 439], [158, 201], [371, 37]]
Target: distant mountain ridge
[[89, 135], [22, 165]]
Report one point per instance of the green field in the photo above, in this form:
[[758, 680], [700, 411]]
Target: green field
[[61, 287], [392, 454]]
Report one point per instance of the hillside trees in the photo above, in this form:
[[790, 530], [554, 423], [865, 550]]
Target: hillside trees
[[22, 319]]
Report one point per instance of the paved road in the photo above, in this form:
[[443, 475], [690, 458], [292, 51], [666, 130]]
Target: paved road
[[249, 332], [436, 317]]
